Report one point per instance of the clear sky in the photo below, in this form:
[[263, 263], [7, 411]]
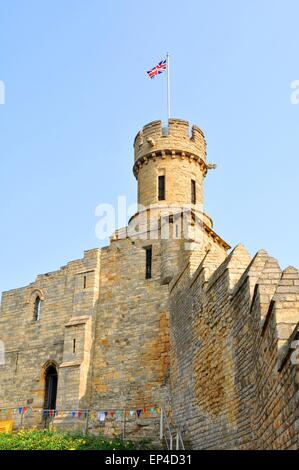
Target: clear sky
[[77, 93]]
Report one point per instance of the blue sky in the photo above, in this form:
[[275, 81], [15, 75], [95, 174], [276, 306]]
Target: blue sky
[[77, 93]]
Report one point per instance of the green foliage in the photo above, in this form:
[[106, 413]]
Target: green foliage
[[47, 440]]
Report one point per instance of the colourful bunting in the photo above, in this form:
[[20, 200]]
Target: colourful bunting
[[27, 411], [101, 415]]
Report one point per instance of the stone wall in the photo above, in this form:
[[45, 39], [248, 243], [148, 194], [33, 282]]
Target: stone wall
[[208, 335], [131, 348], [116, 320], [32, 345], [233, 385]]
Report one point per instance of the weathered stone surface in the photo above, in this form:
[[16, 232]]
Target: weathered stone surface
[[209, 336]]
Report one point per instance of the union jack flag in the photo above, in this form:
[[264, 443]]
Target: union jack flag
[[157, 69]]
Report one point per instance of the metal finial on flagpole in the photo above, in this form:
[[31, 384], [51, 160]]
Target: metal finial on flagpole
[[168, 85]]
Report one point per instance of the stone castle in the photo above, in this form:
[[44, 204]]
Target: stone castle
[[177, 322]]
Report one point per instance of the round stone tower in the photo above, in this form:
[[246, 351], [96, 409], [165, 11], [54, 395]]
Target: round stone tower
[[170, 164]]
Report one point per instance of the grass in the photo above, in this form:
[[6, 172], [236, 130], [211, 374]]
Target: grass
[[34, 439]]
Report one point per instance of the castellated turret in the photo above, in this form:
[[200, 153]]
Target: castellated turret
[[171, 157], [170, 166], [159, 326]]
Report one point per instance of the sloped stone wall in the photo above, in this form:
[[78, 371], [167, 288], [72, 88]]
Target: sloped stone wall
[[233, 385]]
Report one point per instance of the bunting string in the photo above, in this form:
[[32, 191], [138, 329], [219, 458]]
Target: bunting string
[[101, 415]]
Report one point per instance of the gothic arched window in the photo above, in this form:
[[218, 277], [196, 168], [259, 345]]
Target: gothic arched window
[[37, 308]]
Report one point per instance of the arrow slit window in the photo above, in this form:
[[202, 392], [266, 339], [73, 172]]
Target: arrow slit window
[[193, 192], [148, 262], [161, 187]]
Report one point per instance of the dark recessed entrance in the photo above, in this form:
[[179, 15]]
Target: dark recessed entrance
[[51, 388]]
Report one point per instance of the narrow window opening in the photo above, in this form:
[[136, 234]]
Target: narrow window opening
[[193, 192], [17, 361], [84, 282], [148, 267], [37, 308], [161, 188], [177, 231], [74, 346]]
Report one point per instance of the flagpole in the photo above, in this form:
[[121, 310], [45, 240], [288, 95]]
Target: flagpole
[[168, 85]]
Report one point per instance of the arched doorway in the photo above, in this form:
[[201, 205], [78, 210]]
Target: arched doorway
[[51, 379]]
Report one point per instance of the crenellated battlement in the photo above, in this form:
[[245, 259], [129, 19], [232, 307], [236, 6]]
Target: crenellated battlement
[[176, 138], [245, 325], [177, 152], [174, 321]]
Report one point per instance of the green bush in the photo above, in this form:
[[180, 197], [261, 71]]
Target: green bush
[[47, 440]]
